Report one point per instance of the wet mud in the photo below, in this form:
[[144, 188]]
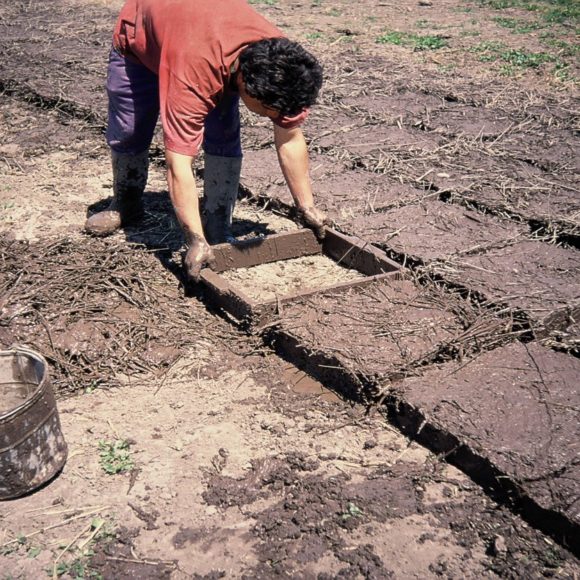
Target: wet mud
[[491, 161], [515, 405]]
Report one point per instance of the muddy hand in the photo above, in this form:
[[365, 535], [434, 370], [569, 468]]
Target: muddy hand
[[314, 219], [198, 255]]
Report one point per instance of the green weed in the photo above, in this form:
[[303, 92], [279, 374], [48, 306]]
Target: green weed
[[523, 59], [503, 4], [33, 552], [352, 511], [76, 569], [516, 25], [414, 41], [564, 48], [562, 72], [266, 2], [491, 51], [552, 11], [115, 456], [314, 35], [487, 50]]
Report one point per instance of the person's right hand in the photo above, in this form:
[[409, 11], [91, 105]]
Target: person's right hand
[[314, 219], [198, 255]]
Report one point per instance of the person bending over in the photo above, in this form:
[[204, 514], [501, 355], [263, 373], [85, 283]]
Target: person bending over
[[191, 63]]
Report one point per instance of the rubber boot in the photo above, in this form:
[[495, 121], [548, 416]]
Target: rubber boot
[[126, 208], [220, 191]]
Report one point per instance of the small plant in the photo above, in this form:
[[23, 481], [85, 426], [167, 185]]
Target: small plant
[[429, 42], [415, 41], [266, 2], [517, 26], [115, 456], [564, 48], [487, 50], [314, 35], [511, 57], [352, 511], [562, 72], [523, 59], [503, 4]]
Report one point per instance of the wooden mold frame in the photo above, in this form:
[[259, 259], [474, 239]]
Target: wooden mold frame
[[346, 250]]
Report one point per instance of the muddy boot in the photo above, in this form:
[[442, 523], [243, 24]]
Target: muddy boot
[[126, 208], [220, 191]]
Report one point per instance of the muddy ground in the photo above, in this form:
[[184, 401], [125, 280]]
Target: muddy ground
[[447, 135]]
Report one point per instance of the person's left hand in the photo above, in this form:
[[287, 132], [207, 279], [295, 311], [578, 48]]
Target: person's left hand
[[314, 219]]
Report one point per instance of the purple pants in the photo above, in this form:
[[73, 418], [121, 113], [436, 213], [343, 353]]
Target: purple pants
[[134, 109]]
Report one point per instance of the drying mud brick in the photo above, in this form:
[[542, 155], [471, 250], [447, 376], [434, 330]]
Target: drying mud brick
[[405, 106], [434, 230], [461, 120], [553, 150], [261, 174], [375, 140], [344, 194], [39, 58], [516, 407], [510, 186], [540, 279], [384, 330], [324, 124]]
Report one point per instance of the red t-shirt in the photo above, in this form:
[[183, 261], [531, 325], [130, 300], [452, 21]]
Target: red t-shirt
[[191, 45]]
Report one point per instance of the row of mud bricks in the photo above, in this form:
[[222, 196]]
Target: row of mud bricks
[[476, 355]]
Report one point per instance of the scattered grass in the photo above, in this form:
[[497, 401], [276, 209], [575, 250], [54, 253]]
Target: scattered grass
[[516, 25], [115, 456], [563, 47], [352, 511], [266, 2], [562, 72], [552, 11], [521, 58], [414, 41], [503, 4], [491, 51], [314, 36], [488, 50], [514, 60]]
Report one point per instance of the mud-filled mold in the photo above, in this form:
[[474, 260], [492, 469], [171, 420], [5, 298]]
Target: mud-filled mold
[[352, 263]]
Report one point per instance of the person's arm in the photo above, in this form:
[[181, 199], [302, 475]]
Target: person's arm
[[293, 157], [184, 197]]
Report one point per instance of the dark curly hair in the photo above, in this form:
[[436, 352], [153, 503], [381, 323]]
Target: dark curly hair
[[281, 74]]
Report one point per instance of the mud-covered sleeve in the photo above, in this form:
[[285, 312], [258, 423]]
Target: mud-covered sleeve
[[292, 122], [183, 112]]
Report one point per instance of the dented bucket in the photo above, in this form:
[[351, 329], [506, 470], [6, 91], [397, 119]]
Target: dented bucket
[[32, 446]]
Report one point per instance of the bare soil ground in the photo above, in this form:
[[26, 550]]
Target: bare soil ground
[[447, 135]]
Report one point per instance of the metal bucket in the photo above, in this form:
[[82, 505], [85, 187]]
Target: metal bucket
[[32, 447]]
